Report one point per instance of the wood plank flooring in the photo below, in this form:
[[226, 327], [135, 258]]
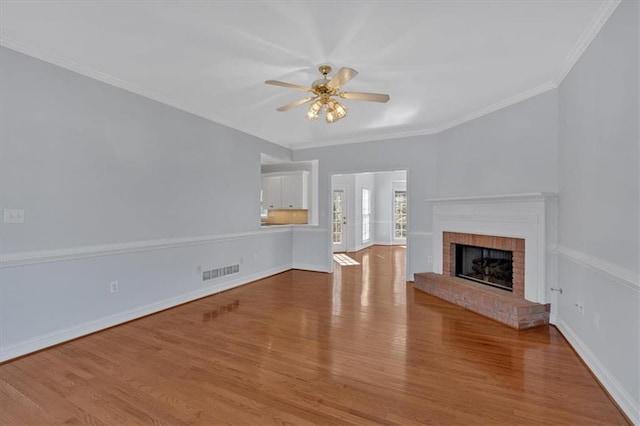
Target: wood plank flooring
[[359, 346]]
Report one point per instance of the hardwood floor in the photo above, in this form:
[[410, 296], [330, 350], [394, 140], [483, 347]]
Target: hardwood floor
[[358, 346]]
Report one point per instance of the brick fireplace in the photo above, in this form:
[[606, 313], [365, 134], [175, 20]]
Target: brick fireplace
[[523, 224]]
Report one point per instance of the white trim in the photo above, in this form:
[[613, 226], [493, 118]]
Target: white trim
[[630, 407], [58, 337], [497, 218], [594, 27], [36, 257], [583, 43], [513, 215], [309, 230], [362, 246], [432, 130], [387, 243], [312, 268], [622, 276], [592, 30], [526, 196], [71, 65]]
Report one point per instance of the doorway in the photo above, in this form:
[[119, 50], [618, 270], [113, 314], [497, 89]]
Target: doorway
[[368, 208]]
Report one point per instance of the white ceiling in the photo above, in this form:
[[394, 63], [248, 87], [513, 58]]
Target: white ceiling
[[442, 62]]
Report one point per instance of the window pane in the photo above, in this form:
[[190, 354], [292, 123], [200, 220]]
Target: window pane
[[338, 197], [366, 215], [400, 214]]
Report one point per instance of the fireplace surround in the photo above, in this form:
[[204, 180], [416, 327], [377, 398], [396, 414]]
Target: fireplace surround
[[514, 231], [522, 223]]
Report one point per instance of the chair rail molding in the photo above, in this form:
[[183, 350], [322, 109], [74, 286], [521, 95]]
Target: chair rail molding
[[45, 256]]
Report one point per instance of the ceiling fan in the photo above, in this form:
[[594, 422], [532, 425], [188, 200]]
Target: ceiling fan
[[324, 92]]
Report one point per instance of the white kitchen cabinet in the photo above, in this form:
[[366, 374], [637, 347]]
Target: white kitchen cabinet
[[285, 190], [271, 192]]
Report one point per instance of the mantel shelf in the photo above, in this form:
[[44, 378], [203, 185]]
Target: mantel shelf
[[527, 196]]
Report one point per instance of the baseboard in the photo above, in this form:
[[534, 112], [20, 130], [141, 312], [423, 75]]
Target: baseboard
[[62, 336], [312, 268], [630, 407]]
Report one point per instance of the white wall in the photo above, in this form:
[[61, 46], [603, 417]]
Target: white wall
[[117, 187], [598, 255], [523, 137], [514, 150], [386, 183]]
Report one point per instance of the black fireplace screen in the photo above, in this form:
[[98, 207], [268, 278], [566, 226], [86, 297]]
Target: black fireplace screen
[[487, 266]]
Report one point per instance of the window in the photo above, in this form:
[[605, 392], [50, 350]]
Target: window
[[400, 214], [338, 207], [366, 215]]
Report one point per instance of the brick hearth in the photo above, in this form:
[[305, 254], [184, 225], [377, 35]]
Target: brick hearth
[[500, 305]]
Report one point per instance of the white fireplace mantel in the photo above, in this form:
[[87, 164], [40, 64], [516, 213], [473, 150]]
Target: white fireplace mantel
[[532, 216]]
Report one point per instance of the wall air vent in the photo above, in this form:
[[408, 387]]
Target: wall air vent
[[220, 272]]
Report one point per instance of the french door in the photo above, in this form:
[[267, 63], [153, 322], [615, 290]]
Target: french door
[[339, 219]]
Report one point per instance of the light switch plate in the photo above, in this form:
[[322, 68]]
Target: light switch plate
[[13, 216]]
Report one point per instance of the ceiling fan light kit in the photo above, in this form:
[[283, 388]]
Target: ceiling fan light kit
[[323, 91]]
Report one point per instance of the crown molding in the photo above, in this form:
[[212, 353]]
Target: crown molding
[[592, 30], [601, 17], [111, 80], [439, 128]]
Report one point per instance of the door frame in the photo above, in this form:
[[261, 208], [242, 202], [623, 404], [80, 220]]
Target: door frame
[[328, 231]]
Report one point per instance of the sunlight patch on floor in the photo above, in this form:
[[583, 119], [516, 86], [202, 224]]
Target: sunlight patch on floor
[[344, 260]]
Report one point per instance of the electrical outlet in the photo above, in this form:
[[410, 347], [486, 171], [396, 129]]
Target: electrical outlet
[[198, 269], [255, 257], [13, 216], [241, 261], [580, 307], [430, 259], [113, 287]]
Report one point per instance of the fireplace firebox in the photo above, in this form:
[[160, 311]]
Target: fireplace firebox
[[484, 265]]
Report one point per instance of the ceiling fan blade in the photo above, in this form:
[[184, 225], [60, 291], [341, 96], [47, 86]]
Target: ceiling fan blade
[[342, 77], [360, 96], [288, 85], [297, 103]]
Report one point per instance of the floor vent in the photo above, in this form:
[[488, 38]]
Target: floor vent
[[220, 272]]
